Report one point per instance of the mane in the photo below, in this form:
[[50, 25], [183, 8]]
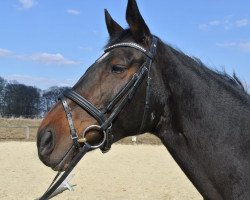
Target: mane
[[195, 62], [234, 80]]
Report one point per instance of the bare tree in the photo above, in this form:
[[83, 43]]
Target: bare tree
[[49, 97], [21, 100], [2, 89]]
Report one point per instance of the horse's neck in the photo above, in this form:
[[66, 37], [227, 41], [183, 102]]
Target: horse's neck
[[205, 131], [200, 99]]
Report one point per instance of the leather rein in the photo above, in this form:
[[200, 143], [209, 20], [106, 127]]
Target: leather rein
[[114, 107]]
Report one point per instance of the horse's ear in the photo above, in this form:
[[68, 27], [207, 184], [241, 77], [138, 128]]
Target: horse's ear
[[138, 27], [112, 26]]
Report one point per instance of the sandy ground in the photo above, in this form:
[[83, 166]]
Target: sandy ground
[[127, 172]]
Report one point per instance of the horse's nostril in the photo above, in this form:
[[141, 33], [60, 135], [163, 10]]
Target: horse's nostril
[[46, 143]]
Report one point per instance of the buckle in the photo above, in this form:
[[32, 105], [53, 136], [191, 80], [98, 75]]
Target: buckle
[[73, 137]]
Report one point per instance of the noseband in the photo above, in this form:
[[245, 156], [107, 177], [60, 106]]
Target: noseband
[[116, 105]]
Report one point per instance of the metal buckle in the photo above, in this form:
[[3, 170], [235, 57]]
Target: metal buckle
[[73, 137]]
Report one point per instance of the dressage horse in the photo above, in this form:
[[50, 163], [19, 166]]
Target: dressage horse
[[140, 84]]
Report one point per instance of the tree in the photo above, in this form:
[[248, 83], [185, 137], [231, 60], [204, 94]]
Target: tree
[[2, 89], [21, 100], [49, 97]]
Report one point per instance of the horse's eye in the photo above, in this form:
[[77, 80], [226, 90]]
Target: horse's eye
[[117, 69]]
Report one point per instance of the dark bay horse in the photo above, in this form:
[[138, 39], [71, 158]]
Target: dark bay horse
[[201, 116]]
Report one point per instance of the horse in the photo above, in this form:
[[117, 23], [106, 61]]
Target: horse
[[140, 84]]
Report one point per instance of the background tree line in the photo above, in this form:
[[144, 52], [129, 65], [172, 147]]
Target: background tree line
[[19, 100]]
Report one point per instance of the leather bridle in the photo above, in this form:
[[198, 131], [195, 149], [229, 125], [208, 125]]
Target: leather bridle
[[116, 104], [105, 116]]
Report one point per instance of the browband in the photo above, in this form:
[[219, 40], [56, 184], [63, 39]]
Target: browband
[[131, 45]]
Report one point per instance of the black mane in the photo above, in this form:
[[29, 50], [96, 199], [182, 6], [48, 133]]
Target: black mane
[[197, 64], [234, 80]]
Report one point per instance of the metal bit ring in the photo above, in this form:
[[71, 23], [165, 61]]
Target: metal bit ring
[[94, 127]]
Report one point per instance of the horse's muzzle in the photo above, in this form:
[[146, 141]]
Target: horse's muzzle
[[45, 145]]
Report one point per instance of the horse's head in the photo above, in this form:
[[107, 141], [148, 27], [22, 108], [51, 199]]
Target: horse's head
[[113, 91]]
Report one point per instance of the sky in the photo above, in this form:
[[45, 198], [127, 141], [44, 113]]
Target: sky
[[52, 42]]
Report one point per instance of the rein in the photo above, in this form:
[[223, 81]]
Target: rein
[[114, 107]]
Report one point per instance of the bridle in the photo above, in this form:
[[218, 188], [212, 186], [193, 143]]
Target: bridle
[[106, 116], [116, 105]]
